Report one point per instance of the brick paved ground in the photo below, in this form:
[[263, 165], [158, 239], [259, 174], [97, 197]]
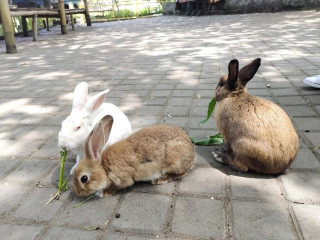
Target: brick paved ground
[[156, 68]]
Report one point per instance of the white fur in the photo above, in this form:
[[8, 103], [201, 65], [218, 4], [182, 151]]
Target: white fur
[[86, 113], [152, 177]]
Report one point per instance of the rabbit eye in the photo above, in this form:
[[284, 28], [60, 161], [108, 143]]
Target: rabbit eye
[[84, 179], [77, 128], [221, 84]]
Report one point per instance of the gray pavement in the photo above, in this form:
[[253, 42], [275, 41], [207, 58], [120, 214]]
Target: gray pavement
[[160, 70]]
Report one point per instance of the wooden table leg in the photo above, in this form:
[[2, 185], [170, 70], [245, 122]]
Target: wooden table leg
[[35, 27], [72, 21], [47, 22], [24, 26]]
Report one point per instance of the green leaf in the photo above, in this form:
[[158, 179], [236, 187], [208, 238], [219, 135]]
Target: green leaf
[[211, 107], [212, 140]]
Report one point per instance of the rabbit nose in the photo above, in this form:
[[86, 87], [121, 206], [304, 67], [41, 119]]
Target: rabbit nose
[[63, 145]]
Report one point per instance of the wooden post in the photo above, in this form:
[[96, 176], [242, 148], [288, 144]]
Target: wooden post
[[35, 27], [24, 26], [86, 12], [63, 19], [7, 27]]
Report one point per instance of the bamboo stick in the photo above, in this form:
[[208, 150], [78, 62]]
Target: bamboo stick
[[63, 19], [7, 27]]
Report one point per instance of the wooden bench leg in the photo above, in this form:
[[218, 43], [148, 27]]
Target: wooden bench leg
[[35, 27], [86, 12], [72, 21], [47, 22], [24, 26]]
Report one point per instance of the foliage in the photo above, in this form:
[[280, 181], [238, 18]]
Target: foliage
[[212, 140]]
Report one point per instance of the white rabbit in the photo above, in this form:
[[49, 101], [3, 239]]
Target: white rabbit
[[85, 113]]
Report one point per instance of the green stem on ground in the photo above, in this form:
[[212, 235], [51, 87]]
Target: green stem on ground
[[62, 184]]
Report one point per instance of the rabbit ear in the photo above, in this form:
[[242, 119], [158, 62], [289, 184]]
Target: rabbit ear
[[247, 72], [80, 95], [233, 74], [98, 138], [95, 101]]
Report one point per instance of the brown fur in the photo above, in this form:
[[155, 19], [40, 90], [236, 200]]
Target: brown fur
[[160, 153], [258, 134]]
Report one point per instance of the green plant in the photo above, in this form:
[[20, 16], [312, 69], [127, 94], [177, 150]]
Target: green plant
[[212, 140]]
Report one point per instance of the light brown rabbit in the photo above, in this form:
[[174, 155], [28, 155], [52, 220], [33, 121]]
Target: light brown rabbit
[[159, 153], [258, 134]]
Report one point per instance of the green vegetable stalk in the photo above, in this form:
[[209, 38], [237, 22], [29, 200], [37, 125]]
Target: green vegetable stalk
[[62, 184]]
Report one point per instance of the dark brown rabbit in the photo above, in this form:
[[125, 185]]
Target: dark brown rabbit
[[258, 134]]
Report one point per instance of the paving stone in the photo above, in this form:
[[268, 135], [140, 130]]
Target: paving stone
[[53, 177], [16, 132], [49, 150], [33, 207], [176, 111], [262, 188], [119, 237], [14, 232], [306, 160], [302, 187], [180, 102], [284, 92], [249, 217], [200, 111], [155, 101], [299, 111], [30, 171], [9, 196], [22, 148], [291, 100], [149, 110], [55, 119], [308, 123], [259, 92], [165, 86], [93, 213], [182, 93], [308, 220], [210, 124], [314, 99], [133, 211], [198, 217], [314, 138], [177, 121], [58, 233], [204, 181], [6, 165], [143, 121], [160, 93]]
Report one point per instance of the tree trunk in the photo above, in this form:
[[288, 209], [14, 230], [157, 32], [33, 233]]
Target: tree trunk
[[7, 27]]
